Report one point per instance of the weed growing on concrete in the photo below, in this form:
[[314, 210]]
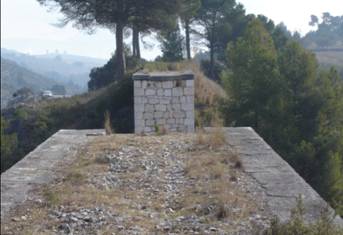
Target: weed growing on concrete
[[296, 225], [107, 123], [51, 197]]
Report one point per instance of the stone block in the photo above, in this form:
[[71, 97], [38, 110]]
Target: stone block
[[148, 116], [177, 91], [158, 114], [148, 129], [137, 84], [150, 92], [171, 121], [149, 108], [139, 122], [161, 121], [167, 92], [167, 115], [139, 100], [189, 122], [190, 114], [149, 122], [179, 121], [138, 115], [190, 99], [158, 84], [187, 107], [144, 84], [138, 91], [175, 100], [161, 107], [153, 100], [165, 100], [139, 107], [189, 83], [183, 100], [176, 107], [178, 114], [167, 84], [139, 130], [160, 92], [188, 91]]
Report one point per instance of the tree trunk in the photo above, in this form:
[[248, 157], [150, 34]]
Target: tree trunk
[[138, 48], [134, 49], [120, 57], [135, 43], [188, 41], [212, 58]]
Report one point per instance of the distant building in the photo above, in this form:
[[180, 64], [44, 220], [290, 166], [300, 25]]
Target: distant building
[[47, 93]]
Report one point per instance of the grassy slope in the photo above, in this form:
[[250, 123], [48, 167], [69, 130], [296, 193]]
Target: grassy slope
[[331, 58], [14, 77]]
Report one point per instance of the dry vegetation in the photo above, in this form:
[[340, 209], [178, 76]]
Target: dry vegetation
[[209, 187], [207, 92]]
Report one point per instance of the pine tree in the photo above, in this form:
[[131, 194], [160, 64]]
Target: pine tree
[[115, 15], [171, 45], [188, 12], [254, 85]]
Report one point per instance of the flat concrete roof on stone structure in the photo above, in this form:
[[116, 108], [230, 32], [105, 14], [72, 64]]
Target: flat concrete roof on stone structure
[[163, 76], [281, 183], [39, 166]]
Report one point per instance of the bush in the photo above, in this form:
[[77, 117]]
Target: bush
[[297, 226], [32, 125]]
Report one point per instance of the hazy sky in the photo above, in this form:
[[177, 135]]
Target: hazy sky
[[27, 27]]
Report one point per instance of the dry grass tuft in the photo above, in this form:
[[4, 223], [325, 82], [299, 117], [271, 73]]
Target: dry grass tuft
[[107, 123], [213, 194], [160, 130], [206, 91], [50, 196]]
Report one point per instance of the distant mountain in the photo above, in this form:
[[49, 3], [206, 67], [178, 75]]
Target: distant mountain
[[15, 77], [63, 68]]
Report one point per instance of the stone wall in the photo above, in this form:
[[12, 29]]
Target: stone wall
[[164, 101]]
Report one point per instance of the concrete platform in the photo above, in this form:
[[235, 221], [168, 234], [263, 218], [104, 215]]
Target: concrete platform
[[38, 166]]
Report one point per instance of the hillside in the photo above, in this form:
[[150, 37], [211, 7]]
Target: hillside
[[330, 58], [86, 111], [14, 77], [64, 68]]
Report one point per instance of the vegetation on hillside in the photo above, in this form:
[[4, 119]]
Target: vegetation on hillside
[[294, 106], [326, 40], [329, 32], [31, 126], [15, 77]]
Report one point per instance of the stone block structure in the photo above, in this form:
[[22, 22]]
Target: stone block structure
[[164, 100]]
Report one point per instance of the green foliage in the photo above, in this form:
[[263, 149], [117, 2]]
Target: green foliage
[[58, 90], [297, 226], [222, 21], [255, 84], [329, 32], [295, 108], [171, 45], [8, 145], [116, 15], [33, 125], [187, 14], [103, 76], [218, 68]]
